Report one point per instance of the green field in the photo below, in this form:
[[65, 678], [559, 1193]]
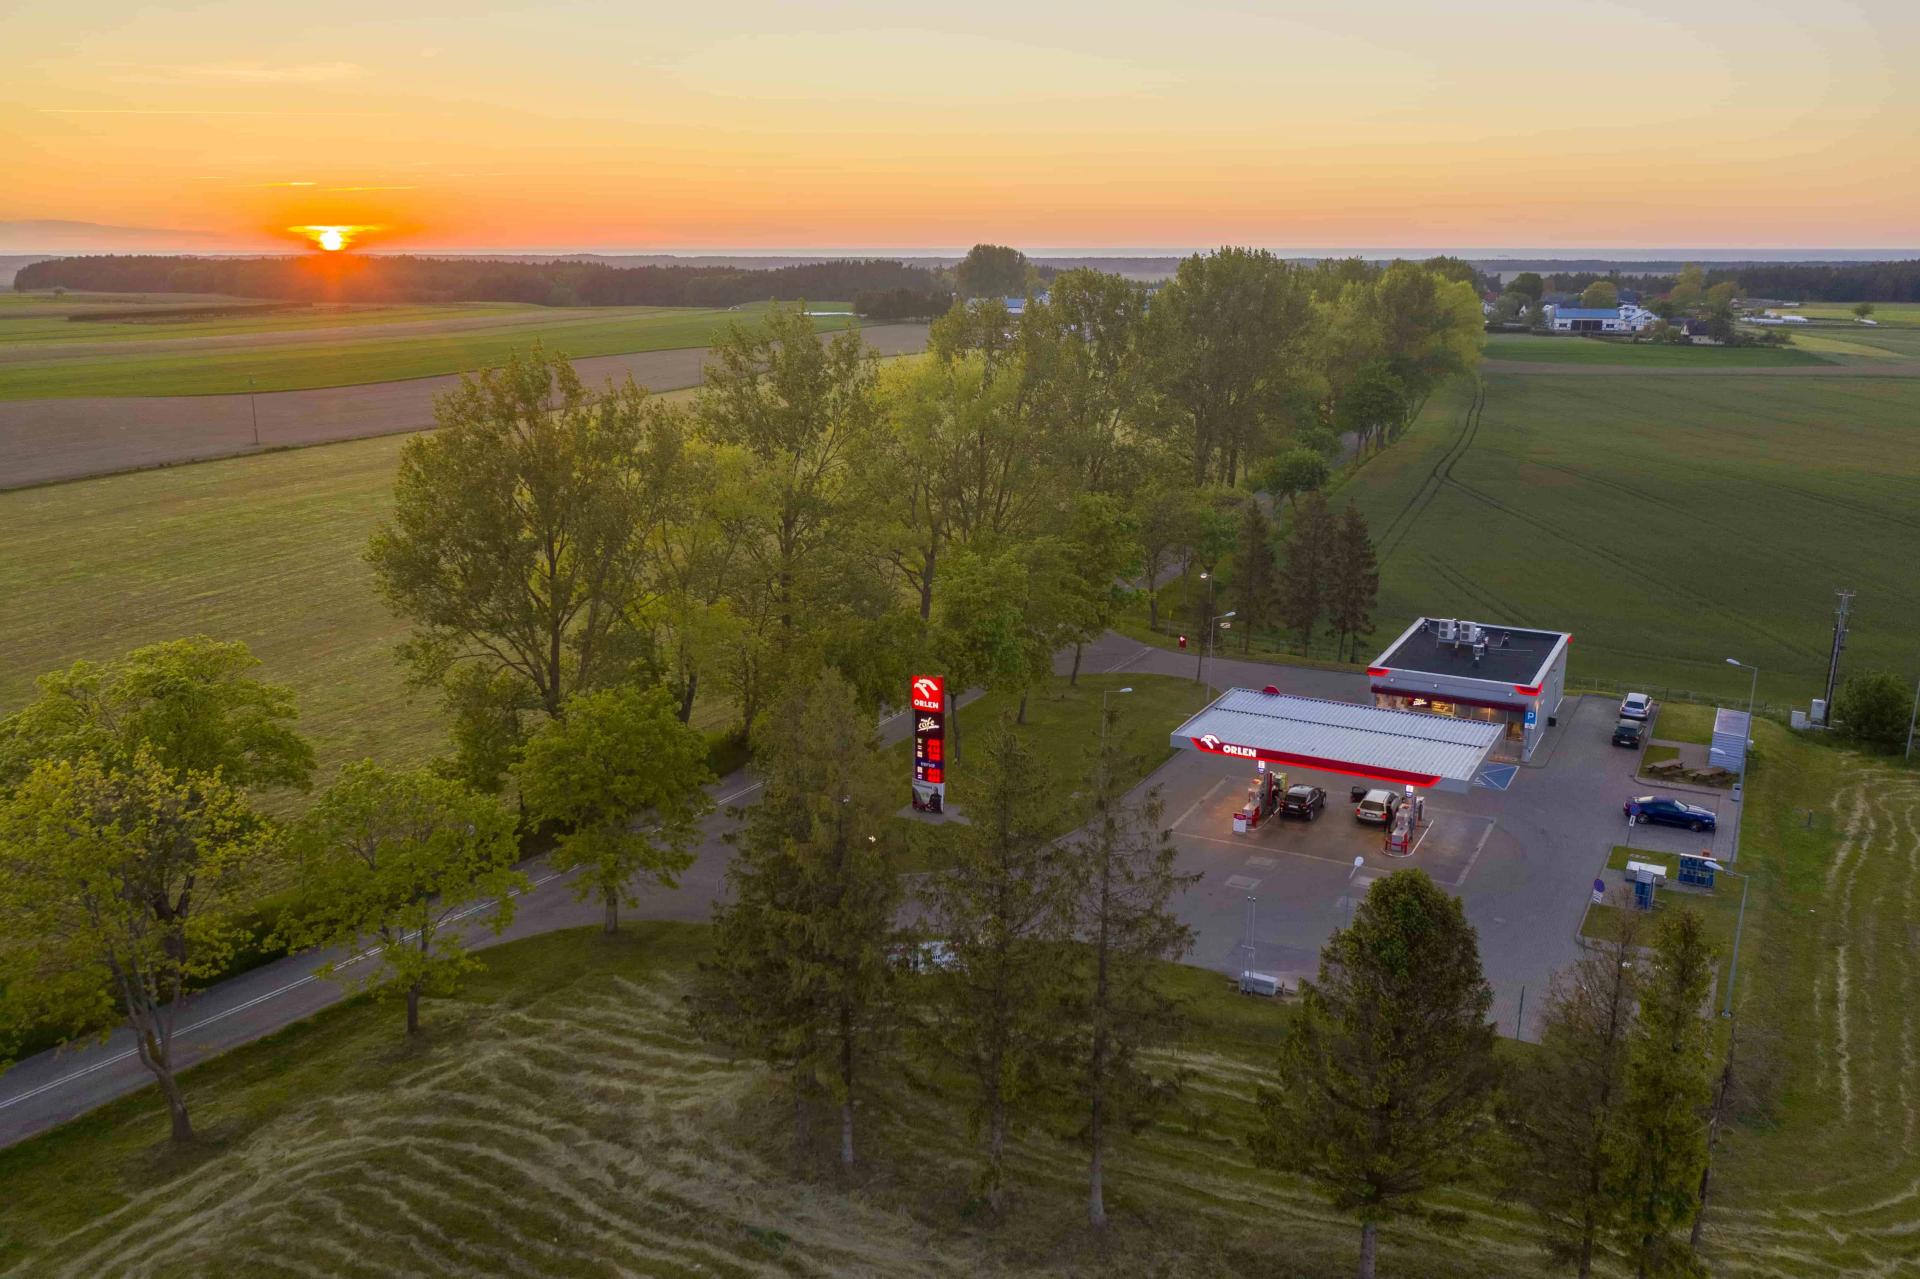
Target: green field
[[214, 368], [1905, 314], [42, 328], [1575, 350], [560, 1119], [1668, 522]]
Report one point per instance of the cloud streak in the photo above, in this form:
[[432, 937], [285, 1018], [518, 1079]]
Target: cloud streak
[[271, 73]]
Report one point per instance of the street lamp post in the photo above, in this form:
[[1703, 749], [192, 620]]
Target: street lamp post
[[1913, 715], [1213, 624], [254, 409], [1200, 649], [1733, 965], [1752, 687], [1103, 736]]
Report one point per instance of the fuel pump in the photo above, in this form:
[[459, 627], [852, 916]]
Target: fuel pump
[[1262, 801]]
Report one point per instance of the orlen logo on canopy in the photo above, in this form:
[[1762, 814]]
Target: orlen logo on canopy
[[929, 693], [1209, 742]]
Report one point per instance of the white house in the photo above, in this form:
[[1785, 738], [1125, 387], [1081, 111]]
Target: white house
[[1626, 318]]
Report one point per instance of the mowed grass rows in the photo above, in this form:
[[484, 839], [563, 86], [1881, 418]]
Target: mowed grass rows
[[562, 1118], [1668, 522], [215, 369]]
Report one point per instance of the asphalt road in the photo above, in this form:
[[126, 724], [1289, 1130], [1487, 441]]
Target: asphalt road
[[63, 439], [1522, 861]]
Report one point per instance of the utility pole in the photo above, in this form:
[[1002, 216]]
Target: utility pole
[[253, 408], [1839, 645], [1913, 715]]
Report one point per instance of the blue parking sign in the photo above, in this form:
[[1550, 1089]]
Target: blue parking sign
[[1533, 717]]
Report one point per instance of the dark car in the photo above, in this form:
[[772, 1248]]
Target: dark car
[[1628, 732], [1661, 811], [1303, 801]]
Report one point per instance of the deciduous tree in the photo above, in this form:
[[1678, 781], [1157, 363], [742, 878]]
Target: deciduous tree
[[1166, 520], [1874, 709], [1562, 1104], [1386, 1075], [801, 977], [120, 889], [1661, 1140], [992, 271], [1124, 883], [522, 544], [1600, 295], [192, 704], [623, 778], [393, 860], [1297, 471], [1003, 913]]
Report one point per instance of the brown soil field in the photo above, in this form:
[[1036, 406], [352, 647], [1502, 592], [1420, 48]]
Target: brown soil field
[[42, 441]]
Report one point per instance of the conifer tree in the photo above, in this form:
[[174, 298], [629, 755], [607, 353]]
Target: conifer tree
[[1353, 579], [1003, 912], [1124, 883], [801, 976], [1661, 1142], [1385, 1078], [1304, 593], [1255, 573]]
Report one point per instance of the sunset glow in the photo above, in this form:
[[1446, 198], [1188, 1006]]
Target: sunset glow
[[754, 125], [332, 237]]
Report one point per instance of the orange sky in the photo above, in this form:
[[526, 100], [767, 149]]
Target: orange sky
[[761, 125]]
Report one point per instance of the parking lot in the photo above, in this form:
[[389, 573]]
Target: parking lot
[[1522, 859]]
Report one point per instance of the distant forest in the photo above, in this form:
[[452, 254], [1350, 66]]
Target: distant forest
[[354, 278], [1809, 282]]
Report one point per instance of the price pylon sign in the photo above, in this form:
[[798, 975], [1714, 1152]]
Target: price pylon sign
[[928, 703]]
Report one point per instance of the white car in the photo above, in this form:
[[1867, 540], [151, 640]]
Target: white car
[[1376, 806], [1636, 706]]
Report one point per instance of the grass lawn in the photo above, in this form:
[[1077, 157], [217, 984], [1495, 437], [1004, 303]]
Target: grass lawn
[[1895, 314], [1575, 350], [216, 370], [560, 1118], [1668, 522], [1658, 755], [1684, 722]]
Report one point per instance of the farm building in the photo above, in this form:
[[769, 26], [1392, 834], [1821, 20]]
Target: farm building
[[1627, 318], [1511, 676]]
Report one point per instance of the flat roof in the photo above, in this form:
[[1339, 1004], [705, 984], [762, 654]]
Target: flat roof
[[1341, 737], [1513, 654]]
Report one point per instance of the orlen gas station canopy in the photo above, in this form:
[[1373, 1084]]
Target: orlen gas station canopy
[[1401, 747]]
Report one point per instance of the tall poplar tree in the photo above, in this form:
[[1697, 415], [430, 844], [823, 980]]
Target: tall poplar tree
[[1256, 584], [1125, 883], [1004, 913], [1662, 1137], [800, 976], [1305, 575], [1562, 1106], [1386, 1076]]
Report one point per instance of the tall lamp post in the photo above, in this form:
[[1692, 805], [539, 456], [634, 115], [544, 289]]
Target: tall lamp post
[[253, 408], [1753, 687], [1213, 624], [1733, 967], [1200, 650]]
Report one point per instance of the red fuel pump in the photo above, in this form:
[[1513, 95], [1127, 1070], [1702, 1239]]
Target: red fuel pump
[[1262, 802]]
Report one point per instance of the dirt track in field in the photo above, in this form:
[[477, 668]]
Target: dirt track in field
[[1725, 370], [64, 439]]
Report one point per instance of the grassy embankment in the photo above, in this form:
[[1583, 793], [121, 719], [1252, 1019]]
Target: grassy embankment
[[560, 1119], [1576, 350], [1668, 522], [214, 369]]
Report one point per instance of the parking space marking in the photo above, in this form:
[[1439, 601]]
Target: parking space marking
[[1485, 835], [1262, 861], [1290, 852], [1182, 820], [1242, 882]]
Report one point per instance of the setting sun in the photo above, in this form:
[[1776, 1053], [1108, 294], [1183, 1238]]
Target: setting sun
[[333, 238]]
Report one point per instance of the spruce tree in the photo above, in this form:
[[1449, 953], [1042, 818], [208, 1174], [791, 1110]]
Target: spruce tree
[[1385, 1079], [1661, 1142], [1563, 1105], [801, 976], [1353, 578], [1304, 578], [1003, 912], [1255, 573], [1124, 883]]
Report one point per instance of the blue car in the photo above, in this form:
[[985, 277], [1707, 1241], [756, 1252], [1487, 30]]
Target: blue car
[[1661, 811]]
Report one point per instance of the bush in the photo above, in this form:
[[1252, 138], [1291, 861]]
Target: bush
[[1873, 709]]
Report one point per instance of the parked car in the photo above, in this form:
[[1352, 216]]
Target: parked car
[[1629, 732], [1663, 811], [1377, 806], [1636, 706], [1303, 801]]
